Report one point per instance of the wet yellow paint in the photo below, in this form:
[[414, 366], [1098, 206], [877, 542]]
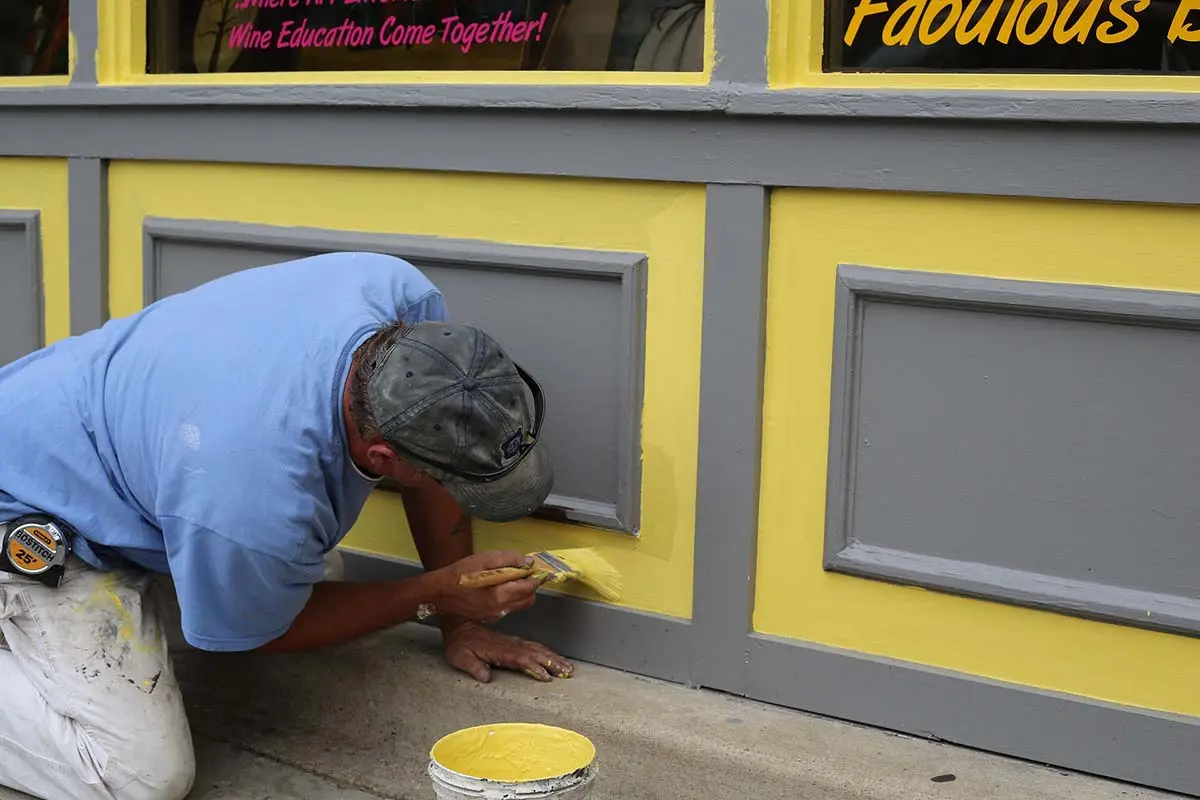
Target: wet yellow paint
[[40, 184], [515, 752]]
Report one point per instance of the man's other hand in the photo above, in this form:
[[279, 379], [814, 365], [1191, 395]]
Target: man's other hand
[[474, 649], [492, 603]]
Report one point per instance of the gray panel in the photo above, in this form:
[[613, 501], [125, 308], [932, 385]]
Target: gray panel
[[1073, 732], [735, 272], [575, 318], [1136, 164], [642, 643], [87, 181], [725, 96], [1026, 442], [21, 304]]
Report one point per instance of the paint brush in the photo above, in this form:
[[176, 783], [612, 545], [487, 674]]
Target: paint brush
[[582, 564]]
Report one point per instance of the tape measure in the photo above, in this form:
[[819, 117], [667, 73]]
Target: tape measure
[[37, 547]]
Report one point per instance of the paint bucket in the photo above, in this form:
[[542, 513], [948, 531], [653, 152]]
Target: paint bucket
[[513, 761]]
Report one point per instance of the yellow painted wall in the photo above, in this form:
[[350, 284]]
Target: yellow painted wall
[[796, 44], [812, 231], [664, 221], [40, 184]]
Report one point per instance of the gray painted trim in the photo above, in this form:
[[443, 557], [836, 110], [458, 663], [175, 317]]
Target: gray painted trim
[[741, 42], [1072, 732], [731, 381], [87, 182], [1114, 741], [630, 268], [85, 28], [636, 641], [856, 285], [744, 96], [1131, 164], [31, 223]]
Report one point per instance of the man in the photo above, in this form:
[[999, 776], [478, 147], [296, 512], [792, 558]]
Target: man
[[228, 437]]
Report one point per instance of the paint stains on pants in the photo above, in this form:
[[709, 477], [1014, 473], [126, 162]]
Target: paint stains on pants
[[89, 704]]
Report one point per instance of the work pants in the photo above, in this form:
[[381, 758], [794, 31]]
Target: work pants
[[89, 705]]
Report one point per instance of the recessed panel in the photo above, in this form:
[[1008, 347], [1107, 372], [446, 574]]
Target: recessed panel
[[1047, 457], [567, 321]]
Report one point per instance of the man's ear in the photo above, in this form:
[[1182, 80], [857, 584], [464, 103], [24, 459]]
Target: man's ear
[[381, 458]]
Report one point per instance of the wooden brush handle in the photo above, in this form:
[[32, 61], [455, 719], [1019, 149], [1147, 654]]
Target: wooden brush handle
[[492, 577]]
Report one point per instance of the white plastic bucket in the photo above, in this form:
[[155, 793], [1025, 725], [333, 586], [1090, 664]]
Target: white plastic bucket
[[512, 761]]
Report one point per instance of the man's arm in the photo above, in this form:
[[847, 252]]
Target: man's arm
[[339, 612], [442, 532]]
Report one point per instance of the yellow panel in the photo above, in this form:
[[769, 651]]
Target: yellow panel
[[40, 184], [796, 45], [813, 231], [665, 221], [122, 59]]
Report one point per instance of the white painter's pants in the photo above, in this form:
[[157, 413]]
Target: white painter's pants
[[89, 705]]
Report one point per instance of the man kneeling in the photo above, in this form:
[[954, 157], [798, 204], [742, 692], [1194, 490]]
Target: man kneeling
[[226, 439]]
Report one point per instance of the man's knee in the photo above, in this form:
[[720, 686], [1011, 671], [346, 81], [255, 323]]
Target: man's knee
[[158, 770]]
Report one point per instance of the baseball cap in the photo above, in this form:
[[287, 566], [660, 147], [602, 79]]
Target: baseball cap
[[454, 403]]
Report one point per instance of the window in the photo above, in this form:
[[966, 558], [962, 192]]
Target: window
[[216, 36], [1089, 36], [34, 37]]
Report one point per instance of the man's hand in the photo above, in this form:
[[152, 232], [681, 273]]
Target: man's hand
[[474, 649], [490, 604]]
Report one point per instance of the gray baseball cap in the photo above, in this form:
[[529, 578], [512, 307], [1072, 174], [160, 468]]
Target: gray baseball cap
[[452, 402]]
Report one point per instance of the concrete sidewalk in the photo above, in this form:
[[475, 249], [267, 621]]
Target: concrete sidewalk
[[356, 723]]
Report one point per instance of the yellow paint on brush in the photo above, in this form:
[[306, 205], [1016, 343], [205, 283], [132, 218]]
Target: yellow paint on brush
[[40, 184], [514, 752], [1136, 245], [664, 221]]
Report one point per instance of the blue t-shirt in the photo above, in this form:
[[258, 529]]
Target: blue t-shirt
[[204, 436]]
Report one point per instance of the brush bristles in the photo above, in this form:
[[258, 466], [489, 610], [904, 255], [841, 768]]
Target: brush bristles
[[593, 571]]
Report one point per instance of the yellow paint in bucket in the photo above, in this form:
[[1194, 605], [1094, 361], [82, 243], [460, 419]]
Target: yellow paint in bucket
[[514, 759]]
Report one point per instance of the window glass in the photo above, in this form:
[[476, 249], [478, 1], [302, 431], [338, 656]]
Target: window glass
[[1089, 36], [34, 37], [200, 36]]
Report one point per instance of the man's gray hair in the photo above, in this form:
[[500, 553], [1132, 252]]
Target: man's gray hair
[[366, 361]]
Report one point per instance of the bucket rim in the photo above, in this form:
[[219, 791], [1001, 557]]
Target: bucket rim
[[578, 775]]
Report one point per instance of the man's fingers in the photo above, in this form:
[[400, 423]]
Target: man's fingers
[[498, 559], [466, 661], [533, 669], [554, 663], [513, 592]]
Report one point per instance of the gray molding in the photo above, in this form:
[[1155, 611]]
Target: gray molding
[[636, 641], [85, 30], [1069, 731], [87, 181], [1131, 164], [857, 285], [629, 268], [1072, 732], [29, 223], [731, 380], [743, 97], [741, 43]]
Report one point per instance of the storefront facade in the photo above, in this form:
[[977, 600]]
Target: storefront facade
[[870, 349]]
